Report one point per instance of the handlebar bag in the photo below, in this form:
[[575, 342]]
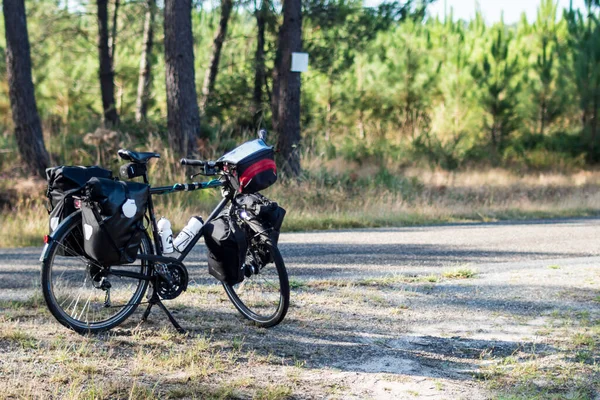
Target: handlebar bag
[[112, 220], [64, 182], [252, 165], [227, 246]]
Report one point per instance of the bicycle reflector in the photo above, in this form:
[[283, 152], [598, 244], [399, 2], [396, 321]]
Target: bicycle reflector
[[77, 203], [46, 239]]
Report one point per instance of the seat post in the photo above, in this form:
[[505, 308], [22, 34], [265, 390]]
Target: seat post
[[157, 242]]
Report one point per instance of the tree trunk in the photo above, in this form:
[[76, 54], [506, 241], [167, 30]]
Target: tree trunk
[[28, 129], [594, 129], [145, 77], [329, 109], [288, 114], [183, 116], [213, 69], [107, 74], [113, 36], [543, 113], [275, 89], [259, 64]]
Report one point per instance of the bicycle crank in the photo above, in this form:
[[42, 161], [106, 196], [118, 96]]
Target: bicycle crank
[[172, 280]]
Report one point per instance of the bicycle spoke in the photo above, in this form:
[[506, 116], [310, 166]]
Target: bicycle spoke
[[260, 297], [76, 286]]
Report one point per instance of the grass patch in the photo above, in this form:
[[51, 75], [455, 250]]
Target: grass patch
[[33, 302], [570, 370], [387, 281], [19, 337], [459, 273], [274, 392]]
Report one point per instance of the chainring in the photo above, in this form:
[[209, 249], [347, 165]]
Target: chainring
[[172, 281]]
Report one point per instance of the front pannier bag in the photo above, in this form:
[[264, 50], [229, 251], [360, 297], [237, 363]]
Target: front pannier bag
[[227, 246], [253, 166], [112, 218], [64, 182], [263, 215]]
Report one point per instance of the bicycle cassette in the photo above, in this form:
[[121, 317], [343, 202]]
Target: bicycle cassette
[[172, 280]]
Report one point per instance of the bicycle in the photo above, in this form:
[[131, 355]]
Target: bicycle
[[91, 298]]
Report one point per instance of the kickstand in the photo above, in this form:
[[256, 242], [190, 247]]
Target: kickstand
[[155, 300]]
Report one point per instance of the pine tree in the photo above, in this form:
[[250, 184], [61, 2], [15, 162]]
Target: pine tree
[[183, 115], [106, 53], [546, 95], [28, 129], [584, 41], [288, 107], [146, 63], [213, 68], [496, 76]]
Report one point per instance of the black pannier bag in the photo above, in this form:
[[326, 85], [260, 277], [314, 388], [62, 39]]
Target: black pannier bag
[[113, 220], [226, 243], [262, 214], [253, 166], [64, 182]]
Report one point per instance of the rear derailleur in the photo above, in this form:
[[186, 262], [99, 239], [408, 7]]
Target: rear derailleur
[[100, 281]]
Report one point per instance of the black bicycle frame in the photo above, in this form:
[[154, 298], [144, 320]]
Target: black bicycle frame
[[178, 187]]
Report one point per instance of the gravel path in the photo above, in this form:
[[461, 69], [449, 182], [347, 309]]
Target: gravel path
[[403, 341]]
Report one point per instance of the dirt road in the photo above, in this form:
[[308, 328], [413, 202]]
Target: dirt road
[[448, 311]]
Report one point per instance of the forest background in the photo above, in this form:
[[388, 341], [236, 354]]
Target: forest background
[[406, 118]]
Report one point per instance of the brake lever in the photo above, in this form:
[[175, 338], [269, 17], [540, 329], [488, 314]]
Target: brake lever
[[207, 171]]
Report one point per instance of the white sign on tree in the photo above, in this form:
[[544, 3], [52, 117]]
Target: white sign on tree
[[299, 62]]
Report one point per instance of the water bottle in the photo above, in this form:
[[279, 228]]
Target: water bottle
[[188, 233], [166, 235]]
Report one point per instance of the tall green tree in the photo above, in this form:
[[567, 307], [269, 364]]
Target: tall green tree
[[584, 41], [288, 86], [28, 129], [106, 54], [146, 63], [401, 80], [545, 87], [261, 14], [213, 68], [496, 75], [183, 114]]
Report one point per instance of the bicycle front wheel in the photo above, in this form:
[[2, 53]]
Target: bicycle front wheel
[[264, 297], [84, 295]]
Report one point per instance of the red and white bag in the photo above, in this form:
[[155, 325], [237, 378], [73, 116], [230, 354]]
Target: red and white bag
[[252, 165]]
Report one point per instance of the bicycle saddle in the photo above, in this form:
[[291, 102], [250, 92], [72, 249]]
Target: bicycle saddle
[[141, 158]]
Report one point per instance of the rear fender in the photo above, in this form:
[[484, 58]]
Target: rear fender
[[58, 232]]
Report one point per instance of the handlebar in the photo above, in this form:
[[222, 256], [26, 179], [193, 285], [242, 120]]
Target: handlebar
[[186, 187], [193, 163], [209, 168]]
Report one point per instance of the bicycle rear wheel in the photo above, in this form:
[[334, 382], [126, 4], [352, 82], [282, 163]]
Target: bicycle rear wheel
[[84, 295], [264, 297]]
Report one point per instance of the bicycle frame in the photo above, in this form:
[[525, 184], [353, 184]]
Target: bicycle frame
[[184, 187], [178, 187]]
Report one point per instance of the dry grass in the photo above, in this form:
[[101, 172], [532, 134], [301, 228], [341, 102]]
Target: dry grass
[[367, 198], [573, 373]]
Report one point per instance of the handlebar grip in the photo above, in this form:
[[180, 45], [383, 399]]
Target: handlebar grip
[[196, 163]]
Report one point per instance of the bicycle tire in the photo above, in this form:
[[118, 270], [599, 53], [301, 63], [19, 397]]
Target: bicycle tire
[[250, 311], [55, 267]]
